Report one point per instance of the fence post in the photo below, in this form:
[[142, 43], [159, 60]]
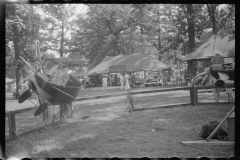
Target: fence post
[[196, 96], [61, 113], [192, 95], [12, 125]]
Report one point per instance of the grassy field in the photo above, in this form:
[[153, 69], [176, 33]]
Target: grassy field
[[102, 128], [26, 121]]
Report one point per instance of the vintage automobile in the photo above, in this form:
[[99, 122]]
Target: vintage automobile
[[153, 79], [94, 81], [139, 81]]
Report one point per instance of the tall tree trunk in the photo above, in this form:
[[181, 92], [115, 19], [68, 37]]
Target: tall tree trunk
[[141, 39], [16, 49], [62, 39], [211, 12], [159, 43], [191, 34], [191, 29]]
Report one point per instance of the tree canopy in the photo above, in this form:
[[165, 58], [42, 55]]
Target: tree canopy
[[84, 34]]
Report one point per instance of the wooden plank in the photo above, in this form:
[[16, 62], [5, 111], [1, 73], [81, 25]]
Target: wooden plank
[[23, 110], [211, 87], [206, 103], [211, 142], [152, 83], [132, 92], [99, 97]]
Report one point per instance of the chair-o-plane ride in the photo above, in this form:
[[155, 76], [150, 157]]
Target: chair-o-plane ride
[[50, 92], [222, 72], [219, 68]]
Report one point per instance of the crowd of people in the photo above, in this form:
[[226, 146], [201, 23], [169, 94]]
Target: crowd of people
[[127, 81]]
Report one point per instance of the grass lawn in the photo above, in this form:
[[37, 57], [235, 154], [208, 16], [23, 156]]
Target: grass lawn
[[102, 128]]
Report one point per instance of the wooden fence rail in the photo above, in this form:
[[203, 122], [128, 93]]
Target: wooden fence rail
[[12, 122]]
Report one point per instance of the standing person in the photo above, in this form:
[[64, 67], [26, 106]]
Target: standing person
[[216, 91], [104, 83], [177, 75], [229, 91], [116, 80], [133, 79], [82, 82], [129, 100], [129, 79], [126, 77], [85, 81], [121, 80]]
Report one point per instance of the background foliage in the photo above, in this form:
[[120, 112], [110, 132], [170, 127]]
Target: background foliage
[[85, 35]]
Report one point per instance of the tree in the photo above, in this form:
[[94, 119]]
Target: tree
[[191, 28], [55, 25], [103, 29], [167, 31], [20, 31], [225, 15], [211, 11]]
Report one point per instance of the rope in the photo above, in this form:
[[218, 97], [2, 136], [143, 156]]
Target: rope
[[64, 92], [32, 102]]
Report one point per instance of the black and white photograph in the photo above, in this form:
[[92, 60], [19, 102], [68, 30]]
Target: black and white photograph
[[120, 80]]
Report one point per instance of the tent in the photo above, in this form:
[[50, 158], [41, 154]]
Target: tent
[[134, 63], [224, 45], [8, 80]]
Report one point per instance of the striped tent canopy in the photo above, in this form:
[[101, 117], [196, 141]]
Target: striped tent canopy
[[224, 45], [134, 63]]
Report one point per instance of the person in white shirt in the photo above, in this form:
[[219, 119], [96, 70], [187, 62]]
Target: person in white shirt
[[126, 77], [82, 83], [104, 83], [121, 80]]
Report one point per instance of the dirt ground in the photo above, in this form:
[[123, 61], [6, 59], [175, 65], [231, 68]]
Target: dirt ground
[[102, 128]]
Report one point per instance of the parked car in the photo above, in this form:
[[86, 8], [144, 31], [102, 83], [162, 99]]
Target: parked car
[[153, 79], [139, 81], [94, 81]]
